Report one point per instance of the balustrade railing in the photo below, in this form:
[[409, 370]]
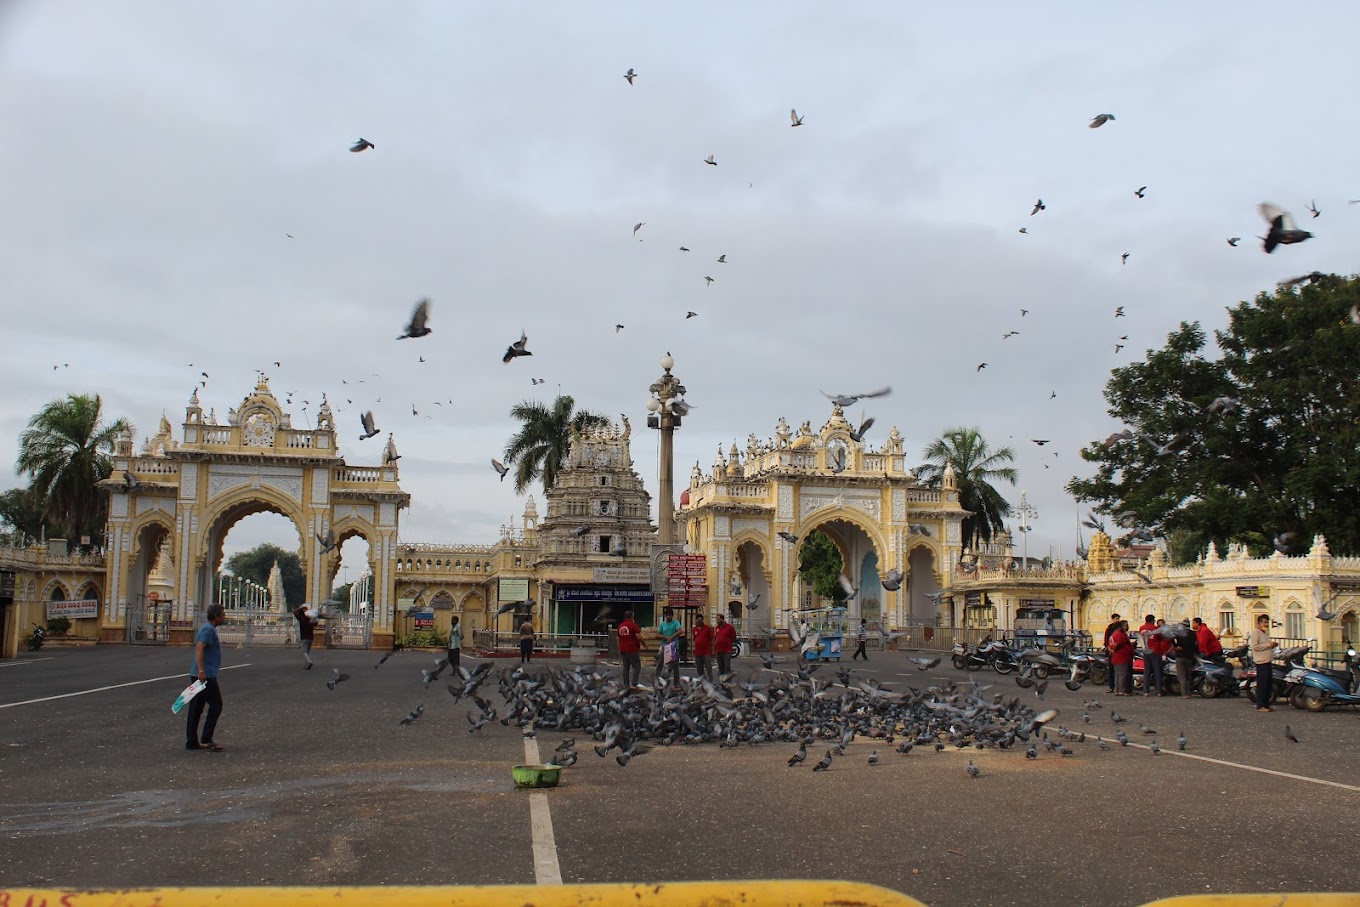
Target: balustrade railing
[[923, 495]]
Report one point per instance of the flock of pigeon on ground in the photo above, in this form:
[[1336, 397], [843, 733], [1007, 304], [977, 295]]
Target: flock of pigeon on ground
[[772, 705]]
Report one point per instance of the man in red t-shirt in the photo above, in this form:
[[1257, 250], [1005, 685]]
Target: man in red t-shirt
[[1154, 647], [630, 644], [703, 647], [724, 639], [1209, 646], [1121, 658]]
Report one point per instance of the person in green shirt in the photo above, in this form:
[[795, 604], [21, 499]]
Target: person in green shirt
[[670, 648]]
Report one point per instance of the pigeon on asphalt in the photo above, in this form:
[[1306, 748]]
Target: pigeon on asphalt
[[851, 399], [1101, 119], [824, 763], [415, 714], [972, 769], [793, 115], [873, 757], [798, 757], [500, 468], [418, 325], [1154, 748], [1145, 729], [336, 680], [370, 427], [517, 348], [1181, 742], [630, 75], [1283, 231], [1289, 734], [362, 145]]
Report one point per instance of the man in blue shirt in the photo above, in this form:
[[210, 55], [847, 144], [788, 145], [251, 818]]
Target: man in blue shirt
[[670, 647], [207, 664]]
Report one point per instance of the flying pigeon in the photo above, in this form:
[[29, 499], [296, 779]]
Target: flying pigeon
[[630, 75], [893, 580], [1124, 259], [788, 537], [1281, 541], [639, 225], [924, 664], [793, 115], [1283, 230], [847, 587], [418, 325], [850, 399], [517, 348], [1038, 206], [1024, 312], [336, 680], [370, 429], [1119, 311], [858, 434], [1234, 240], [1009, 334], [708, 281], [362, 145], [980, 367], [1040, 441], [710, 160], [617, 328], [1223, 406], [1024, 230], [722, 259], [1139, 191], [1322, 612], [130, 481], [415, 714], [327, 541], [689, 315], [500, 468], [918, 529], [580, 531], [1313, 208], [1101, 119]]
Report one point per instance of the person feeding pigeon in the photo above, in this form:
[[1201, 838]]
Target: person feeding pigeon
[[669, 661], [306, 633], [1262, 655], [1155, 647], [630, 648], [1187, 650]]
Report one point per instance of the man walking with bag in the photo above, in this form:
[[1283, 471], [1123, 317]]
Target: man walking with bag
[[206, 665]]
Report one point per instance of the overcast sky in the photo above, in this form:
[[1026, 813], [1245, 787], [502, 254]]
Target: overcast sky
[[157, 154]]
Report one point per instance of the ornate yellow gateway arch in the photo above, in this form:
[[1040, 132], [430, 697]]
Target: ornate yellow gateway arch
[[177, 500], [751, 513]]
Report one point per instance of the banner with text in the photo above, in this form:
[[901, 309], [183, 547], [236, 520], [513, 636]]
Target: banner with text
[[73, 610], [513, 589]]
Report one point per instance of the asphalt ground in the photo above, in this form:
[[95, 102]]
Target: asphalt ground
[[327, 788]]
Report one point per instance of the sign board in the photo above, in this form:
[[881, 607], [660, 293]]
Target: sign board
[[972, 600], [423, 620], [1045, 603], [513, 589], [602, 593], [6, 586], [621, 575], [73, 610], [405, 604], [1253, 592], [153, 596]]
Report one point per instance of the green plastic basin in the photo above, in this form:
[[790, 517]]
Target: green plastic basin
[[536, 775]]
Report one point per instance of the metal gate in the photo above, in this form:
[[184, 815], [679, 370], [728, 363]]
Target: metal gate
[[148, 622], [345, 631], [256, 627]]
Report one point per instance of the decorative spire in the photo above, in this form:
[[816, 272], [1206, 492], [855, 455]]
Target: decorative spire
[[1319, 548], [949, 480]]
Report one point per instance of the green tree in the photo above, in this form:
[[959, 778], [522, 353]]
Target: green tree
[[65, 451], [976, 468], [21, 514], [341, 594], [819, 563], [1277, 457], [539, 449], [256, 563]]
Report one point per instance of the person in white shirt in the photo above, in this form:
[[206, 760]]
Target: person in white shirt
[[1262, 652]]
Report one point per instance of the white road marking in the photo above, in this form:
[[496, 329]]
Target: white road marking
[[181, 675], [547, 871], [1250, 768], [10, 664]]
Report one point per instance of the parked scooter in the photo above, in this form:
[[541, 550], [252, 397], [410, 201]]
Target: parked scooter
[[1286, 662], [35, 642], [970, 658], [1316, 688]]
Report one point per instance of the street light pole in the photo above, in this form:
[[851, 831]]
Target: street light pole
[[666, 408], [1026, 513]]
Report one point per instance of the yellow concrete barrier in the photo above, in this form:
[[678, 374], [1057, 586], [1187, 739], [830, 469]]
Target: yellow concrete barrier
[[789, 893]]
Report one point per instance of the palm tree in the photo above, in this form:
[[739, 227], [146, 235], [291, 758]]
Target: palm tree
[[976, 467], [65, 451], [540, 447]]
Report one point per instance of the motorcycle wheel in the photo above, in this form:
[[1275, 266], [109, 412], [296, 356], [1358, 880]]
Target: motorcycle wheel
[[1209, 689], [974, 664], [958, 662], [1138, 683], [1100, 673], [1041, 671], [1313, 700], [1296, 697], [1003, 665]]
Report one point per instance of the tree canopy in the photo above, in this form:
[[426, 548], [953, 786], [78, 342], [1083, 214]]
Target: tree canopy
[[539, 449], [976, 468], [1259, 444], [819, 563], [21, 514], [65, 451], [256, 563]]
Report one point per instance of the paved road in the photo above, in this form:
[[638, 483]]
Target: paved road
[[321, 787]]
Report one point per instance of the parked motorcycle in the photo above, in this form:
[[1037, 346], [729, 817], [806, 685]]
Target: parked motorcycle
[[970, 658], [1091, 667], [1286, 661], [35, 642], [1316, 688]]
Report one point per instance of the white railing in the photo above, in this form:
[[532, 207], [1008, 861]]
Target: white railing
[[923, 495], [153, 466], [218, 436], [361, 475], [873, 463], [300, 440]]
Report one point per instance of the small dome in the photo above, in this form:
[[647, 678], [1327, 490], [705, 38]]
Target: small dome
[[684, 498]]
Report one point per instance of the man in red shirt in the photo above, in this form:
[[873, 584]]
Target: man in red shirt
[[724, 639], [703, 647], [1121, 658], [630, 644], [1209, 646], [1155, 648]]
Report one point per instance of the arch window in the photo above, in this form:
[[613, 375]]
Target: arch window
[[1295, 626]]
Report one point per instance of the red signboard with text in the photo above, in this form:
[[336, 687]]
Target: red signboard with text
[[687, 580]]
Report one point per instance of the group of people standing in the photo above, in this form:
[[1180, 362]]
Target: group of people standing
[[713, 646], [1185, 643]]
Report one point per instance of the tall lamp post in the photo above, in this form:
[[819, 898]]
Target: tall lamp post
[[666, 407], [1026, 513]]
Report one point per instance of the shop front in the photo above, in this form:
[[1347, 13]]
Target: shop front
[[593, 608]]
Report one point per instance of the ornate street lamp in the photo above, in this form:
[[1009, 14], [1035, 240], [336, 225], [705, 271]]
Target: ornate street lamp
[[1026, 513], [666, 407]]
